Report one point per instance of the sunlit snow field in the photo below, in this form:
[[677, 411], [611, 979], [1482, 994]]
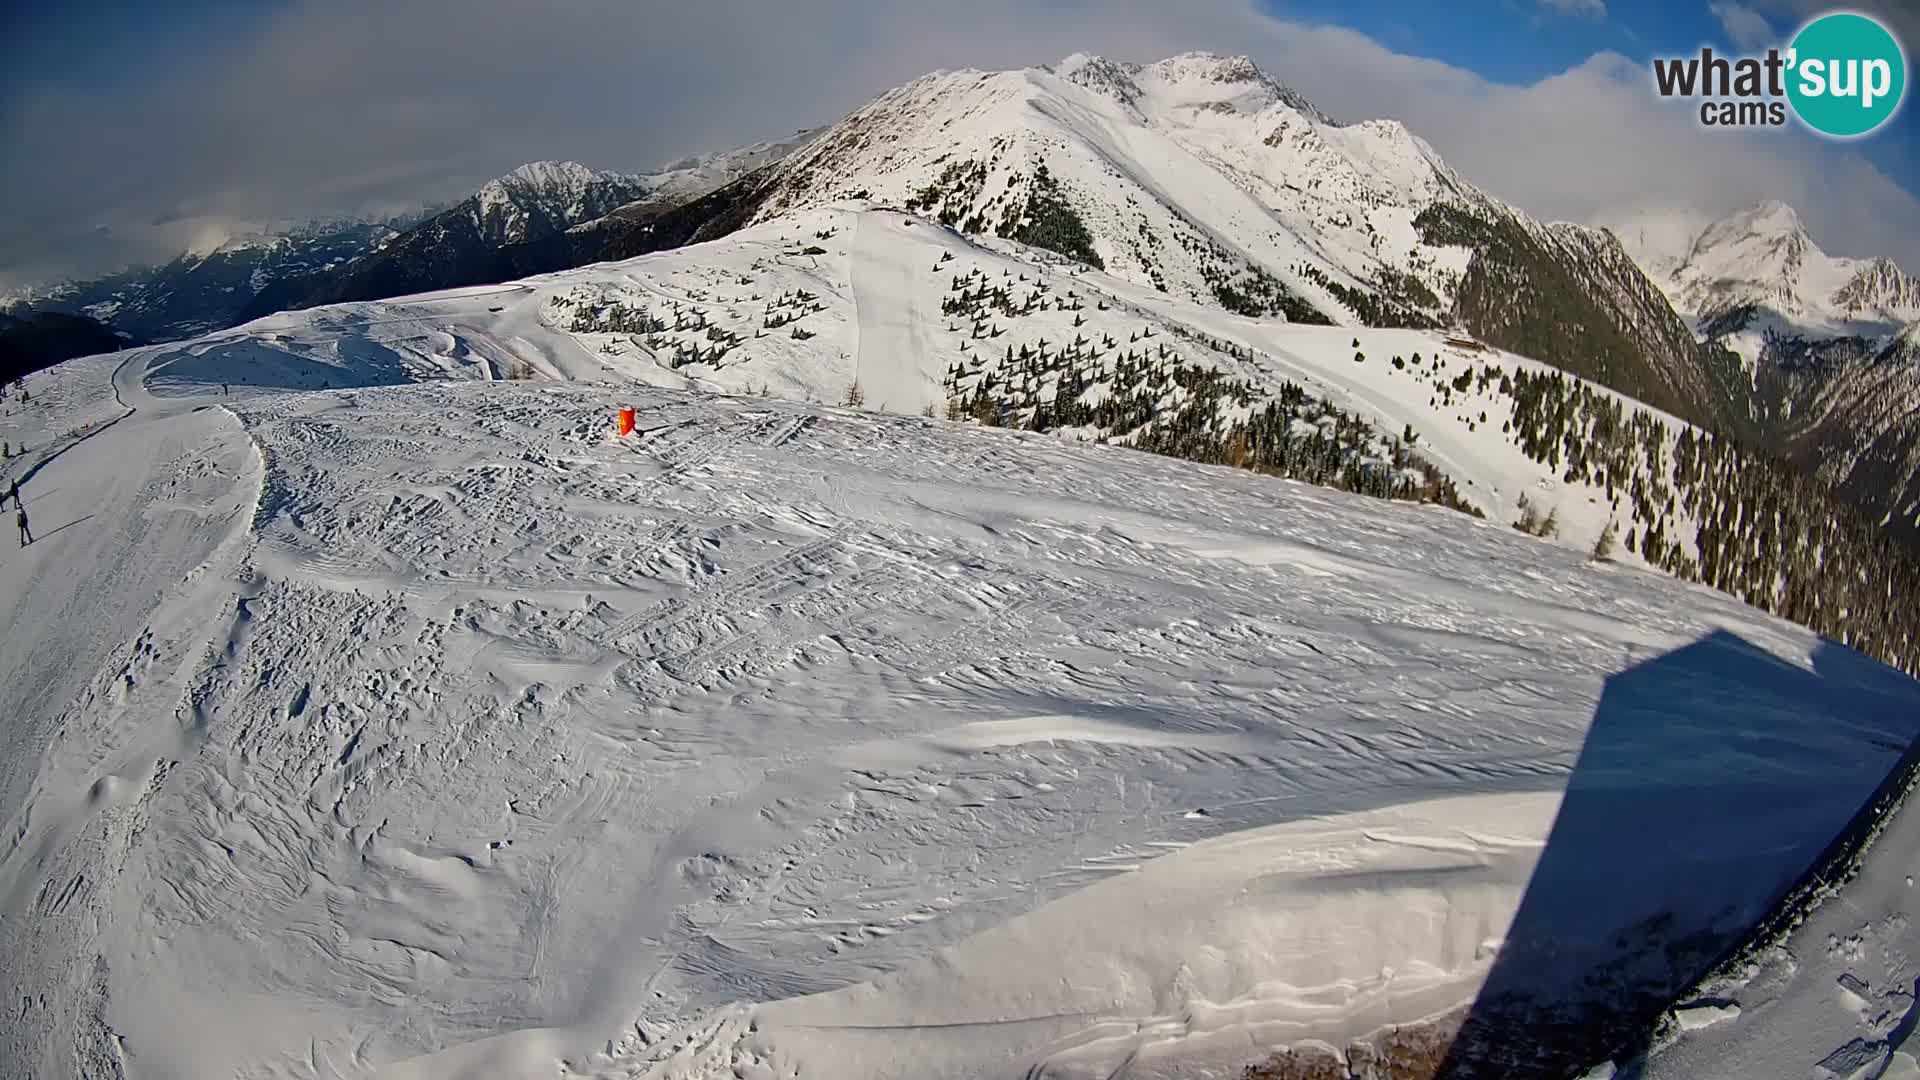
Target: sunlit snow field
[[360, 726]]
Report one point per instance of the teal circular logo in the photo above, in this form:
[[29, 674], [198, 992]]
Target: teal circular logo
[[1847, 75]]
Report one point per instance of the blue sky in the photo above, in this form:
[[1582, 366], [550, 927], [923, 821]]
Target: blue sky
[[111, 44], [133, 129], [1523, 41]]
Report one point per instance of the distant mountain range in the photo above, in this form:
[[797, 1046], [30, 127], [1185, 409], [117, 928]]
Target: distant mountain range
[[209, 290], [1831, 345], [1204, 178], [506, 228], [1759, 268], [514, 226]]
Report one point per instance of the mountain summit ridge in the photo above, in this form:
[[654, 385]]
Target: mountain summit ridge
[[1828, 342], [1762, 255]]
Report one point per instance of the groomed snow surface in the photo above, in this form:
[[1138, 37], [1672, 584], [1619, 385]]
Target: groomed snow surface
[[361, 726]]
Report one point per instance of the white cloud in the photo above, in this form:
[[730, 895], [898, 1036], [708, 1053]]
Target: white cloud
[[1745, 27], [347, 105], [1584, 9], [1595, 139]]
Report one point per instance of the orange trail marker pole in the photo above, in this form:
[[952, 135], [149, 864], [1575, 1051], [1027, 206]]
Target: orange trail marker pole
[[624, 425]]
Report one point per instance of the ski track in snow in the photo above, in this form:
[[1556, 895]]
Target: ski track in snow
[[430, 731], [135, 530], [890, 327]]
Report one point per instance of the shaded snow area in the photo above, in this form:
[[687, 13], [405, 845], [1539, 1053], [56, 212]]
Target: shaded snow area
[[1839, 997], [429, 730]]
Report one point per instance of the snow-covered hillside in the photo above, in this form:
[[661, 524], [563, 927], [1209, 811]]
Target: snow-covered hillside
[[1194, 173], [1204, 178], [380, 712], [432, 730], [1838, 995], [810, 305], [846, 303]]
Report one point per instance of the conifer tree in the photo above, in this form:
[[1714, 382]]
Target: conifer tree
[[1603, 545]]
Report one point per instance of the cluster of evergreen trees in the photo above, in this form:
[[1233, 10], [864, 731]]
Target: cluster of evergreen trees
[[1150, 398], [976, 297], [1781, 541], [1764, 531], [1049, 221], [1139, 242], [1246, 289], [686, 334], [1036, 209], [1382, 309], [951, 198]]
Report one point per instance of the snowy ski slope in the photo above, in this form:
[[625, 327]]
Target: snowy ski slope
[[375, 726], [873, 315]]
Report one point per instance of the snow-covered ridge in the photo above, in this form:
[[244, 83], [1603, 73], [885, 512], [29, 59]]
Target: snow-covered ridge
[[1188, 174], [1763, 256], [1205, 179], [806, 306], [559, 192]]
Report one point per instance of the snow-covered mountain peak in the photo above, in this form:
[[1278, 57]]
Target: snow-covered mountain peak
[[1195, 82], [1767, 237], [1879, 288], [1762, 257], [1207, 66], [1222, 84], [1766, 216], [544, 196], [1198, 174], [265, 241], [551, 174], [563, 180], [1759, 256]]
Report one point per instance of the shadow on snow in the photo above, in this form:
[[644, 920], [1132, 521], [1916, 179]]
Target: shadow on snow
[[1714, 780], [341, 363]]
